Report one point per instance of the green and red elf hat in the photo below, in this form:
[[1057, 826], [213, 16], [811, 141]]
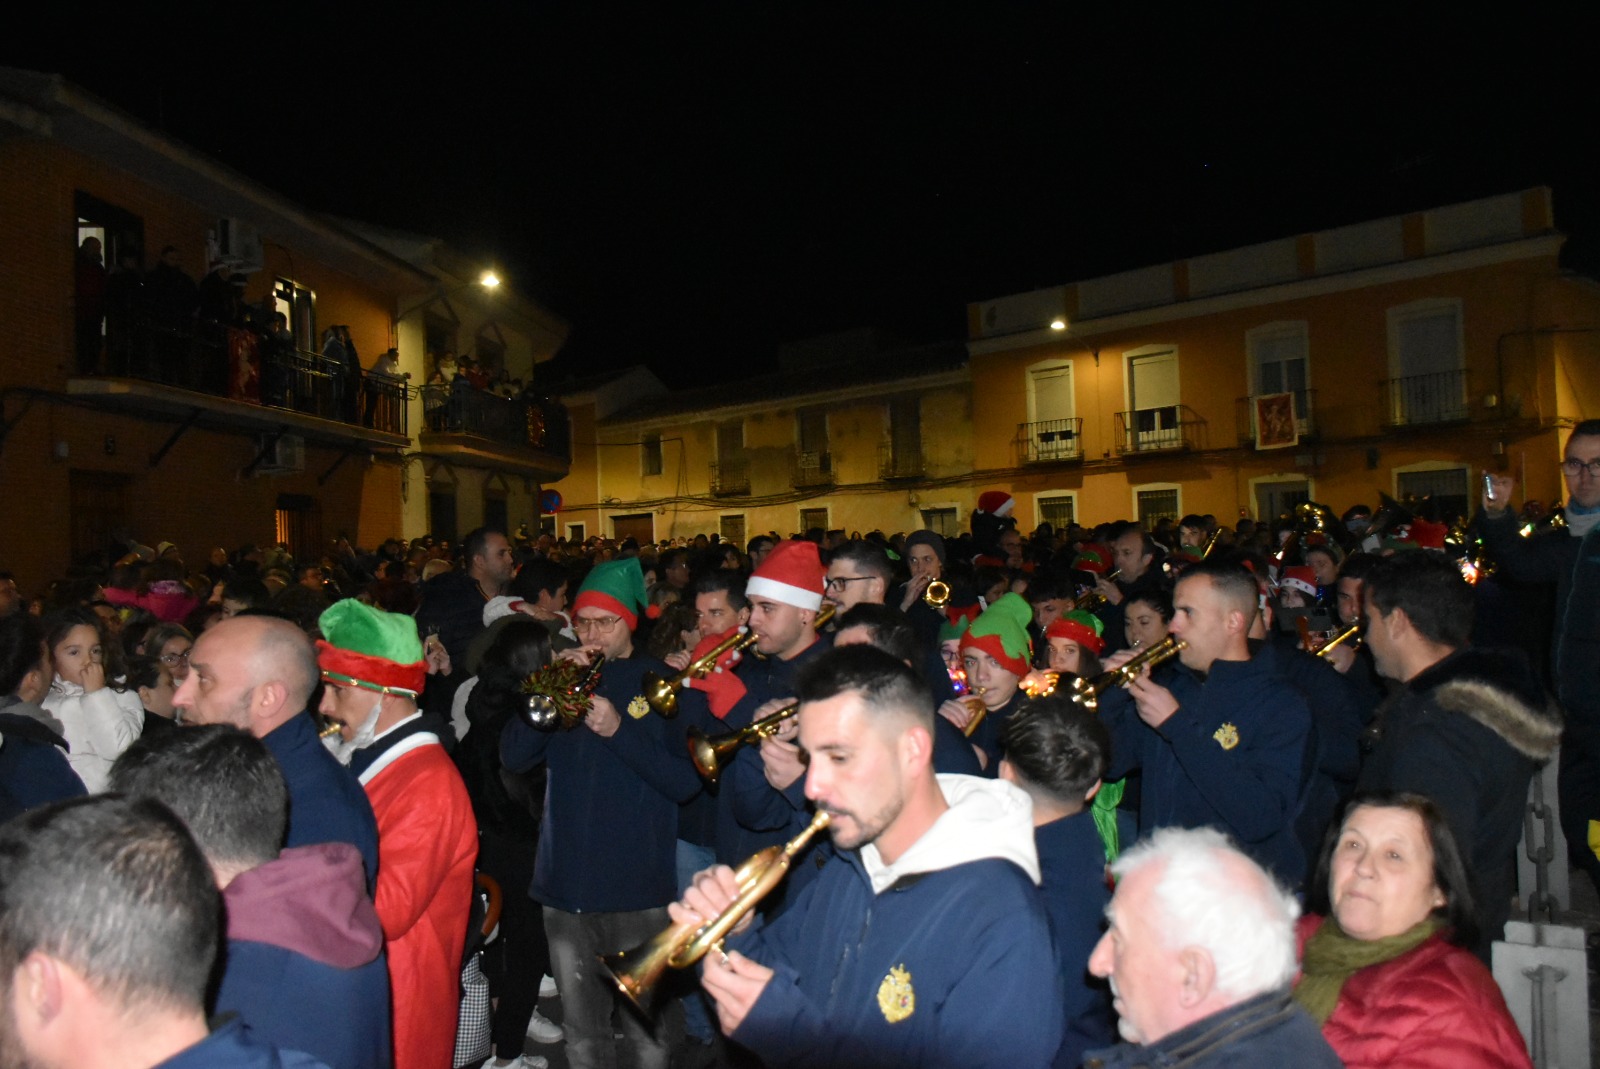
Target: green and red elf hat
[[1002, 633], [372, 649], [616, 586], [1084, 628], [1093, 558], [957, 620]]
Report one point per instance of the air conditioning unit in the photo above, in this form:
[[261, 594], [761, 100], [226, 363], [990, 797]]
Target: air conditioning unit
[[283, 457], [239, 245]]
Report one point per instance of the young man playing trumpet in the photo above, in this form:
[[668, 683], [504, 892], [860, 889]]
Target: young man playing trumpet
[[900, 951]]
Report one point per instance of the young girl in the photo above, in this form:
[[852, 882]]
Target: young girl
[[100, 719]]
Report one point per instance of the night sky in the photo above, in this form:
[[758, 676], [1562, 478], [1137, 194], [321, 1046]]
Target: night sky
[[692, 186]]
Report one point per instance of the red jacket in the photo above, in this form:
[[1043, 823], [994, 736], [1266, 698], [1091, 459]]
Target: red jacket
[[1435, 1007]]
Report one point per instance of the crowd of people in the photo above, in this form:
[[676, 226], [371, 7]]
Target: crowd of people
[[1194, 795]]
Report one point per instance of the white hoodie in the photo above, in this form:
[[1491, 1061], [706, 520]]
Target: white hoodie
[[987, 818], [98, 727]]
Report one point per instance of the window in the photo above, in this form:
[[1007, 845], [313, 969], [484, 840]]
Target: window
[[1154, 504], [811, 427], [1426, 361], [640, 526], [650, 455], [944, 522], [732, 530], [442, 513], [575, 533], [1278, 497], [299, 525], [1278, 363], [1153, 400], [1446, 487], [438, 336], [905, 438], [99, 508], [489, 349], [299, 306], [1052, 432], [810, 518], [730, 441], [1060, 511]]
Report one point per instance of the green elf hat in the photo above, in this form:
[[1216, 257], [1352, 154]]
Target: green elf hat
[[1093, 558], [957, 620], [1084, 628], [615, 586], [369, 648], [1002, 633]]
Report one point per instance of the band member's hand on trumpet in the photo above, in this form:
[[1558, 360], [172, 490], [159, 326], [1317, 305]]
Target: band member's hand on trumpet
[[1154, 702], [733, 981], [780, 754]]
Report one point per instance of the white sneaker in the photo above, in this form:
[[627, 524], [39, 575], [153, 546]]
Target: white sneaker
[[523, 1061], [547, 988], [542, 1029]]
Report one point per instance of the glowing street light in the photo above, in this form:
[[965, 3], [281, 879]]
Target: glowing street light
[[488, 280]]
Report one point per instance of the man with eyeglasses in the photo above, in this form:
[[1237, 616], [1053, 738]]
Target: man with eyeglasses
[[1570, 559], [606, 866]]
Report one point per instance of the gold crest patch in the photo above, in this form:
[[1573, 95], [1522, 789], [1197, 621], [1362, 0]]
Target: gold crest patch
[[1227, 736], [638, 708], [895, 997]]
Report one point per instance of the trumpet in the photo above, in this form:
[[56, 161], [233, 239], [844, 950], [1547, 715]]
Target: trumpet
[[327, 727], [661, 692], [1351, 634], [708, 752], [558, 694], [1087, 692], [1092, 600], [937, 594], [636, 972], [974, 701]]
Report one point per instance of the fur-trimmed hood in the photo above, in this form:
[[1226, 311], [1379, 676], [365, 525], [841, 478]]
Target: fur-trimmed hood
[[1498, 689]]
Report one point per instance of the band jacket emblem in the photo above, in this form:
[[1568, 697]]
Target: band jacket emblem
[[638, 708], [895, 997], [1227, 736]]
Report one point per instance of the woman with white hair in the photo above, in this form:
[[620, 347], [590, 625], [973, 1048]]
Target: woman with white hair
[[1386, 972]]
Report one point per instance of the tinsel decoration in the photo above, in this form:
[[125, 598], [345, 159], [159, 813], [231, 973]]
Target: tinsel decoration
[[561, 682]]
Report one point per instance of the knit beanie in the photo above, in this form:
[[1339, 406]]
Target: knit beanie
[[792, 573], [1084, 628], [926, 538], [366, 647], [616, 586], [957, 620], [1002, 633]]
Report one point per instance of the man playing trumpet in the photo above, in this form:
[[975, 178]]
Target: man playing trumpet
[[900, 950]]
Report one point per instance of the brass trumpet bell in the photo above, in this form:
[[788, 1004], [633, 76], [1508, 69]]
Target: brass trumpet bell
[[1087, 692], [937, 594], [710, 752], [544, 710]]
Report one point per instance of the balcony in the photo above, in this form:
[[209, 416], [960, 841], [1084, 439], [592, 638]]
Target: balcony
[[483, 429], [1425, 400], [730, 477], [1049, 440], [233, 380], [1159, 430], [812, 469], [901, 463], [1246, 410]]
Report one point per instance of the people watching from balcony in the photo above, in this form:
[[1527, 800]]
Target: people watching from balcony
[[89, 304]]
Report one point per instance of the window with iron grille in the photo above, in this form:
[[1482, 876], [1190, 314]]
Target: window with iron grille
[[1157, 505], [650, 455], [732, 530], [942, 522], [810, 518], [1445, 488], [1058, 512]]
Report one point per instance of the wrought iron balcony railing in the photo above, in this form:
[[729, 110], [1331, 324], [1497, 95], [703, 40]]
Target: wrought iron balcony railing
[[730, 477], [461, 408], [1050, 439], [813, 468], [1154, 430], [1417, 400]]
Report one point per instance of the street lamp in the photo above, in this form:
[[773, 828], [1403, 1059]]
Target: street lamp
[[488, 280]]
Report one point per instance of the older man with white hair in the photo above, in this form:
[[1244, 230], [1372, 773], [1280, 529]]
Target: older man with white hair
[[1200, 952]]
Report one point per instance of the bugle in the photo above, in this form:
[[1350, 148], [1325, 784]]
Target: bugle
[[661, 692], [558, 693], [636, 972], [1351, 634], [974, 702], [1092, 600], [1087, 692], [937, 594], [708, 752]]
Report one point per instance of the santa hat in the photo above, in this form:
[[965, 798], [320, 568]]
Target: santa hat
[[1299, 577], [1002, 632], [1093, 558], [366, 647], [1084, 628], [996, 503], [792, 573], [616, 586], [957, 620]]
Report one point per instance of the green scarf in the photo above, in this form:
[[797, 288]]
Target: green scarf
[[1331, 957], [1104, 811]]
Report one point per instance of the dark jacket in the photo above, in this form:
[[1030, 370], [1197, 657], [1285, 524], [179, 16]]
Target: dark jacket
[[304, 961], [1469, 732], [326, 802], [1235, 756], [1266, 1032], [231, 1047], [33, 761], [1072, 878], [608, 840], [452, 604]]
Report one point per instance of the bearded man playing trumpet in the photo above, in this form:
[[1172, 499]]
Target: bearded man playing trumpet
[[905, 948], [606, 864]]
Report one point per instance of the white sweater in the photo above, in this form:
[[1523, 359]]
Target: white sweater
[[99, 726]]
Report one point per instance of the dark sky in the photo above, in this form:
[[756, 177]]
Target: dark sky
[[692, 186]]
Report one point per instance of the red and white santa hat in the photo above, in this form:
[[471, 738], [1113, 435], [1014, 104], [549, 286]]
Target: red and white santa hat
[[792, 573], [996, 503], [1301, 578]]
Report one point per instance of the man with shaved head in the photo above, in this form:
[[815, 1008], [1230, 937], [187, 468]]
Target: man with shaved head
[[257, 673]]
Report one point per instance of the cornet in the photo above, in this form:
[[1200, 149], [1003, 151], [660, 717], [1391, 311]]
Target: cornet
[[558, 694], [636, 972], [937, 594], [1087, 692], [1092, 600], [661, 692], [709, 752]]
